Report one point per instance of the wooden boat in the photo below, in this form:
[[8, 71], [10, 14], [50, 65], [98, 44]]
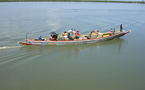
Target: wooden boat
[[103, 37]]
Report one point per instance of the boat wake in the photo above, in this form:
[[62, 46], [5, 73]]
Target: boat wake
[[9, 47]]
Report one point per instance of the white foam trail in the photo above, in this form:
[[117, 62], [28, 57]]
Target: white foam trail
[[8, 47]]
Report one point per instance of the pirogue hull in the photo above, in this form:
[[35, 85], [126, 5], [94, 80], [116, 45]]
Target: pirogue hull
[[72, 42]]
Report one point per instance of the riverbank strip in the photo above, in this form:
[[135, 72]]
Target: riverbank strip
[[107, 1]]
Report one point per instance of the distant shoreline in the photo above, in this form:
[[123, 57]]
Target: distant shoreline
[[107, 1]]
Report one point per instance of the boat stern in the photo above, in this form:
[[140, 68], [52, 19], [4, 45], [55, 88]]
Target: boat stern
[[24, 43]]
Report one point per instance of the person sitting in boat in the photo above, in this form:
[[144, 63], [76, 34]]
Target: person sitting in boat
[[53, 36], [99, 34], [77, 35], [40, 38], [93, 34], [65, 35], [69, 36]]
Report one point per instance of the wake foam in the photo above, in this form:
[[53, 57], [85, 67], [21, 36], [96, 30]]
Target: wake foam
[[9, 47]]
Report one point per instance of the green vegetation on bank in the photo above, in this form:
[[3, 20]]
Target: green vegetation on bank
[[72, 1]]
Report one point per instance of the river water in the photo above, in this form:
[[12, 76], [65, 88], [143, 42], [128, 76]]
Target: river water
[[117, 64]]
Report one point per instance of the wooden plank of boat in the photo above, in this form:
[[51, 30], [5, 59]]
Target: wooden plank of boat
[[72, 42]]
